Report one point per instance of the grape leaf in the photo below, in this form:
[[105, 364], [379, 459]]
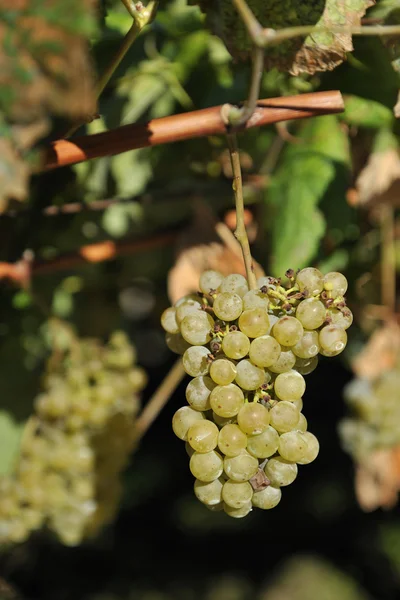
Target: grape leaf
[[44, 71], [299, 186], [320, 51]]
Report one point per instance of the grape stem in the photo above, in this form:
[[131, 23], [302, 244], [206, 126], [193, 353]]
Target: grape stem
[[159, 399], [240, 231]]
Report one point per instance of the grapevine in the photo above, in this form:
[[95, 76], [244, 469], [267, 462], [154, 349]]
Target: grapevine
[[247, 352], [76, 444]]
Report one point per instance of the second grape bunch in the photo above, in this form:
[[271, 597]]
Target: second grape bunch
[[247, 352]]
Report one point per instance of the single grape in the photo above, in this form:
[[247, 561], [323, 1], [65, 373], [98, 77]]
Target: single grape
[[253, 418], [168, 320], [333, 340], [248, 376], [236, 345], [227, 306], [287, 331], [264, 444], [183, 418], [289, 385], [284, 416], [235, 284], [209, 492], [285, 362], [336, 284], [237, 494], [226, 400], [241, 467], [293, 446], [210, 281], [280, 472], [255, 299], [196, 328], [195, 361], [311, 313], [341, 318], [223, 371], [264, 351], [191, 306], [302, 423], [305, 366], [308, 346], [176, 343], [203, 436], [267, 498], [254, 322], [206, 467], [298, 404], [312, 449], [198, 392], [238, 513], [231, 440], [310, 280]]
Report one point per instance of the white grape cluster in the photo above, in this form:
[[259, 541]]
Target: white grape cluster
[[375, 420], [247, 351], [75, 445]]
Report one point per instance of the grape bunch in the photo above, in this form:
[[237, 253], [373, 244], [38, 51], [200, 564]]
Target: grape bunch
[[375, 420], [247, 352], [76, 444]]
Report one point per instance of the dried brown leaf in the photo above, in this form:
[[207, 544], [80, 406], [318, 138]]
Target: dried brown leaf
[[380, 354], [379, 181], [377, 480]]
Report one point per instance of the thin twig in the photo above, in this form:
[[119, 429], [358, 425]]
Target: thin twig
[[240, 231], [388, 264], [238, 117], [198, 123], [159, 399]]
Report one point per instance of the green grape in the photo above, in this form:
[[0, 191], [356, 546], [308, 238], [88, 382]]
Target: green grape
[[195, 361], [254, 322], [310, 281], [289, 385], [191, 306], [248, 376], [241, 467], [265, 281], [223, 371], [222, 421], [176, 343], [284, 416], [267, 498], [264, 351], [265, 444], [210, 281], [196, 328], [189, 449], [302, 423], [237, 494], [226, 400], [253, 418], [287, 331], [206, 466], [311, 313], [231, 440], [293, 446], [298, 404], [333, 340], [198, 392], [182, 420], [280, 472], [336, 284], [227, 306], [203, 436], [305, 366], [238, 513], [234, 284], [285, 362], [308, 346], [168, 320], [235, 345], [255, 299], [312, 449], [209, 493], [341, 318]]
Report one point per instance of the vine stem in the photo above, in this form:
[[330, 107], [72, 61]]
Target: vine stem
[[239, 116], [159, 399], [240, 231]]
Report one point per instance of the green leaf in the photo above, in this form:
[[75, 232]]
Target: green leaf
[[299, 186], [10, 436], [366, 113]]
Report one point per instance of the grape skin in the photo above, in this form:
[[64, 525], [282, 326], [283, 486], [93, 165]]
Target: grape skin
[[264, 351], [223, 371], [287, 331], [228, 307], [311, 313], [206, 466], [210, 280], [203, 436], [248, 376], [196, 328], [236, 345], [226, 400], [289, 385], [183, 418], [231, 440], [195, 361], [241, 467], [333, 340], [280, 472], [254, 322], [209, 492], [237, 494], [253, 418], [265, 444], [267, 498]]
